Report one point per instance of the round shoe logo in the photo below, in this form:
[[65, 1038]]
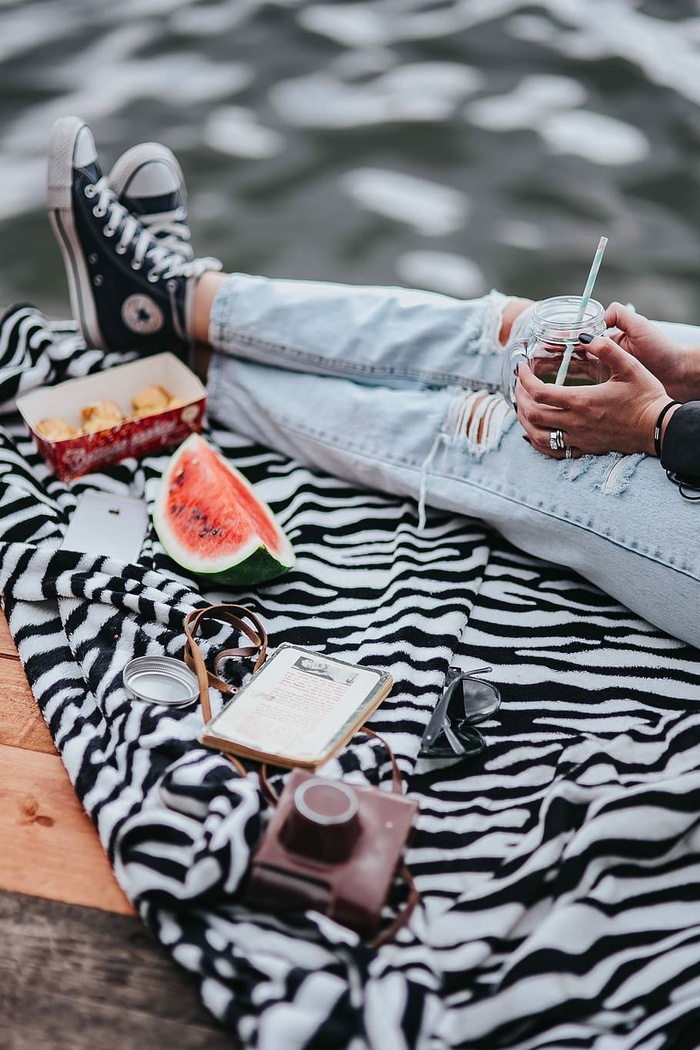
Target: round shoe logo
[[141, 314]]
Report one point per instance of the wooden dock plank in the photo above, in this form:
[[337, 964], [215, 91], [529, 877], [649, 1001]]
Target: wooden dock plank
[[77, 979], [49, 845], [78, 970], [7, 646], [21, 721]]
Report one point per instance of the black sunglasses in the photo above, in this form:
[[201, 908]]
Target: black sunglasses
[[465, 702]]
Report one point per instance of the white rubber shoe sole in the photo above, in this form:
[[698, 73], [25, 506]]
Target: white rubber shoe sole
[[59, 185]]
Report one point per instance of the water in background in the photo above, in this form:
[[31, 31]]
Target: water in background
[[456, 146]]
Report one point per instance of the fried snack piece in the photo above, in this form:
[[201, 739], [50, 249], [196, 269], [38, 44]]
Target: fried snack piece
[[53, 428], [150, 401], [100, 415]]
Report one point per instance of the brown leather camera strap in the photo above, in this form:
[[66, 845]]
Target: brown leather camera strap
[[246, 622], [404, 915], [396, 781], [266, 787], [413, 896], [195, 661]]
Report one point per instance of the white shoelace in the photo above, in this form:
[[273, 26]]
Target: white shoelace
[[171, 230], [133, 234]]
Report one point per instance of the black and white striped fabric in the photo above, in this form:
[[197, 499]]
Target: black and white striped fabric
[[559, 871]]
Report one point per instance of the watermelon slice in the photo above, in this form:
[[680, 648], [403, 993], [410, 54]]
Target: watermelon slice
[[211, 522]]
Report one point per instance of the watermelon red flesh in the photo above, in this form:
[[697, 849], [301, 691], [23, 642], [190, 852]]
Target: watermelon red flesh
[[210, 520]]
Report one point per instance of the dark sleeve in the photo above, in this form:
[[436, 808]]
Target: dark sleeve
[[680, 451]]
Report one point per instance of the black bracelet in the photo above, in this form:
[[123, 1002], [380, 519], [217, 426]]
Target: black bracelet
[[657, 428]]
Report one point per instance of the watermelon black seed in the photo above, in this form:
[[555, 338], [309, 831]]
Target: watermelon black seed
[[211, 530]]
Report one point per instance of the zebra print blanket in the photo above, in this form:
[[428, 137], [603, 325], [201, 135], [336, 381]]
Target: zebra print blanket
[[558, 871]]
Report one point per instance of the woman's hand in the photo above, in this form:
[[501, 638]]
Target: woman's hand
[[616, 416], [673, 364]]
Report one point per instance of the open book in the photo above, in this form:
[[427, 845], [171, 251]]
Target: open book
[[299, 709]]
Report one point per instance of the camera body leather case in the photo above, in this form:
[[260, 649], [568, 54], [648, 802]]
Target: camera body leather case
[[333, 847]]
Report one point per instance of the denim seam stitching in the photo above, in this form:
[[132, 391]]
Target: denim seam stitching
[[272, 352]]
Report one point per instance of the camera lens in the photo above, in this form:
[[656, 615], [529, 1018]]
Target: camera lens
[[324, 802], [323, 823]]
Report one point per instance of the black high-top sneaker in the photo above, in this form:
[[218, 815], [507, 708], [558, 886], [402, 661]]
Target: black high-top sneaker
[[148, 181], [127, 291]]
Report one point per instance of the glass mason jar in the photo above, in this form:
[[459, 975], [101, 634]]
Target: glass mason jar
[[555, 328]]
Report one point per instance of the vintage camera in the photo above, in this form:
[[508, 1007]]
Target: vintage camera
[[333, 847]]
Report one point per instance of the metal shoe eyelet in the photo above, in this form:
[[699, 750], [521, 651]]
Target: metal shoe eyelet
[[120, 249], [152, 276], [109, 231], [90, 190], [99, 212], [136, 265]]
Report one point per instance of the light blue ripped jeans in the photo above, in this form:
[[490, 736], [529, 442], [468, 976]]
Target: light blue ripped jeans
[[398, 390]]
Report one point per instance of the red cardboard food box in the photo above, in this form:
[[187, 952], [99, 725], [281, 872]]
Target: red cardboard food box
[[134, 435]]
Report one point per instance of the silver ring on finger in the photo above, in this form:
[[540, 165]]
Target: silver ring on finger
[[556, 440], [569, 454]]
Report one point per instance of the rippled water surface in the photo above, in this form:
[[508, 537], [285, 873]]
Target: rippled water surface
[[454, 145]]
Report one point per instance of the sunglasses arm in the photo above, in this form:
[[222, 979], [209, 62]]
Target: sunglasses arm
[[457, 672], [434, 726]]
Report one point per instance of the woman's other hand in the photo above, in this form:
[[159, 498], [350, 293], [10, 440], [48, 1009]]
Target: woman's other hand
[[616, 416], [678, 367]]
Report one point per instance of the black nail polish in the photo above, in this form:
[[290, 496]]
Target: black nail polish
[[526, 438], [586, 337]]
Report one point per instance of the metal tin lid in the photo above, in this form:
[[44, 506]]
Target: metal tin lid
[[160, 680]]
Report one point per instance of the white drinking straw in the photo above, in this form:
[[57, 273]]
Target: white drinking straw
[[595, 266]]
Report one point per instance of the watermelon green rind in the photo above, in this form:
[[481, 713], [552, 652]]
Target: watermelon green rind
[[211, 521]]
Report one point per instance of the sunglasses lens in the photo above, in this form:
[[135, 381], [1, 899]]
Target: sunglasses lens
[[479, 700], [470, 740], [451, 732]]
